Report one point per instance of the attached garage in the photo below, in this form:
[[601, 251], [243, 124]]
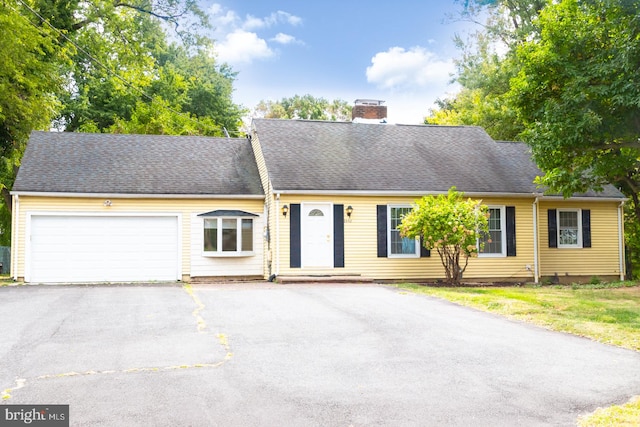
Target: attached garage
[[102, 248]]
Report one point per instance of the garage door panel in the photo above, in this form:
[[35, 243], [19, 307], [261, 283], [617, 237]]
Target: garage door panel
[[103, 248]]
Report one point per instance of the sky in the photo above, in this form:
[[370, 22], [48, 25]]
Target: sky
[[399, 51]]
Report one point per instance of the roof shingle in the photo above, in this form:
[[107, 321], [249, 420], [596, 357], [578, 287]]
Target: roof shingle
[[304, 155], [65, 162]]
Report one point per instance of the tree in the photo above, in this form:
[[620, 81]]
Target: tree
[[449, 224], [577, 94], [30, 68], [127, 60], [304, 107], [106, 66], [568, 85], [484, 69]]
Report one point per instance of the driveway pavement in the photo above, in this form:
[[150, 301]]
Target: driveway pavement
[[295, 355]]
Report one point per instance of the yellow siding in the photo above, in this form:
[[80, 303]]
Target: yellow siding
[[184, 207], [361, 258], [602, 259], [361, 244]]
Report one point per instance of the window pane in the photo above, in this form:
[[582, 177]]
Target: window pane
[[229, 235], [210, 234], [495, 233], [247, 234], [568, 228], [400, 245], [568, 237]]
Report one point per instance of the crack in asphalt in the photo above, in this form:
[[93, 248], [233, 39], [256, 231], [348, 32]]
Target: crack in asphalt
[[201, 325]]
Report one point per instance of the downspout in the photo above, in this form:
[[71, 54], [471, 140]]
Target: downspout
[[621, 239], [14, 236], [276, 214], [536, 267]]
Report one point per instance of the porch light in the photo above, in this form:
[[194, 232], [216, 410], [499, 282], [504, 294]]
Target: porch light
[[285, 210], [349, 211]]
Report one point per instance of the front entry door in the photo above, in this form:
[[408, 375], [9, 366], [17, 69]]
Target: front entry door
[[317, 235]]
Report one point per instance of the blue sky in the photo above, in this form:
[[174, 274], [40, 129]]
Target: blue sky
[[401, 52]]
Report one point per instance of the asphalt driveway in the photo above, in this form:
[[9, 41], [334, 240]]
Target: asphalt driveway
[[295, 355]]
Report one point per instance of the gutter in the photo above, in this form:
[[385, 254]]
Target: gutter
[[14, 236], [435, 193], [277, 218], [536, 267], [621, 239], [139, 196]]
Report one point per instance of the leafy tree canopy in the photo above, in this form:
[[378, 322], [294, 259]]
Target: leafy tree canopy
[[107, 66], [304, 107], [450, 224], [577, 94], [563, 77]]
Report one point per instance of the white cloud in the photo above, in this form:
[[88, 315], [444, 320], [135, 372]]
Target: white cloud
[[238, 40], [401, 69], [222, 20], [275, 18], [242, 47], [281, 16], [285, 39]]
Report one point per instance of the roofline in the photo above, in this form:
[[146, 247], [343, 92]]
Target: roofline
[[540, 196], [137, 196]]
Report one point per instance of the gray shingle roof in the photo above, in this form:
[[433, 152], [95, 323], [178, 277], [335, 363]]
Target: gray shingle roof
[[304, 155], [137, 164]]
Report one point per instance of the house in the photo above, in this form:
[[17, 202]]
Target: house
[[113, 208], [295, 198], [335, 192]]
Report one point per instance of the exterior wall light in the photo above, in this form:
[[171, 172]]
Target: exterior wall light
[[107, 203], [285, 210], [349, 211]]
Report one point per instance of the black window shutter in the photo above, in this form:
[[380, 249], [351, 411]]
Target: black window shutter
[[382, 230], [553, 228], [511, 231], [295, 260], [424, 252], [338, 236], [586, 228]]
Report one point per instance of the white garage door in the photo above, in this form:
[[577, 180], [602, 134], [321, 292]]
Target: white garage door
[[103, 249]]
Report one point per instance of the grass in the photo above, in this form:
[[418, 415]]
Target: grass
[[605, 312], [6, 280]]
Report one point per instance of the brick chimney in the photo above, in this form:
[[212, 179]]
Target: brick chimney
[[369, 109]]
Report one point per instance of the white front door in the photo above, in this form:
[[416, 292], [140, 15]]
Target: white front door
[[317, 235]]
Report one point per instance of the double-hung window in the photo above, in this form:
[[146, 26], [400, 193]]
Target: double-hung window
[[400, 246], [494, 243], [228, 233], [569, 229]]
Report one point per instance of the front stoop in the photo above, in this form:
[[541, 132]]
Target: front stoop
[[285, 280]]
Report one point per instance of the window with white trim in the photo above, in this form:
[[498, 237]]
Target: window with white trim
[[400, 246], [569, 229], [228, 236], [494, 243]]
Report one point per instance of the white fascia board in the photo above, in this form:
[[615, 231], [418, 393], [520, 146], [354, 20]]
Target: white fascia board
[[583, 199], [435, 193], [139, 196]]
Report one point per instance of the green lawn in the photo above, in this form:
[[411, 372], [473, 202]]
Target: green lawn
[[609, 313], [5, 280]]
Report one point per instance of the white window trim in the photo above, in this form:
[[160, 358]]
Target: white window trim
[[579, 221], [416, 253], [229, 254], [503, 229]]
